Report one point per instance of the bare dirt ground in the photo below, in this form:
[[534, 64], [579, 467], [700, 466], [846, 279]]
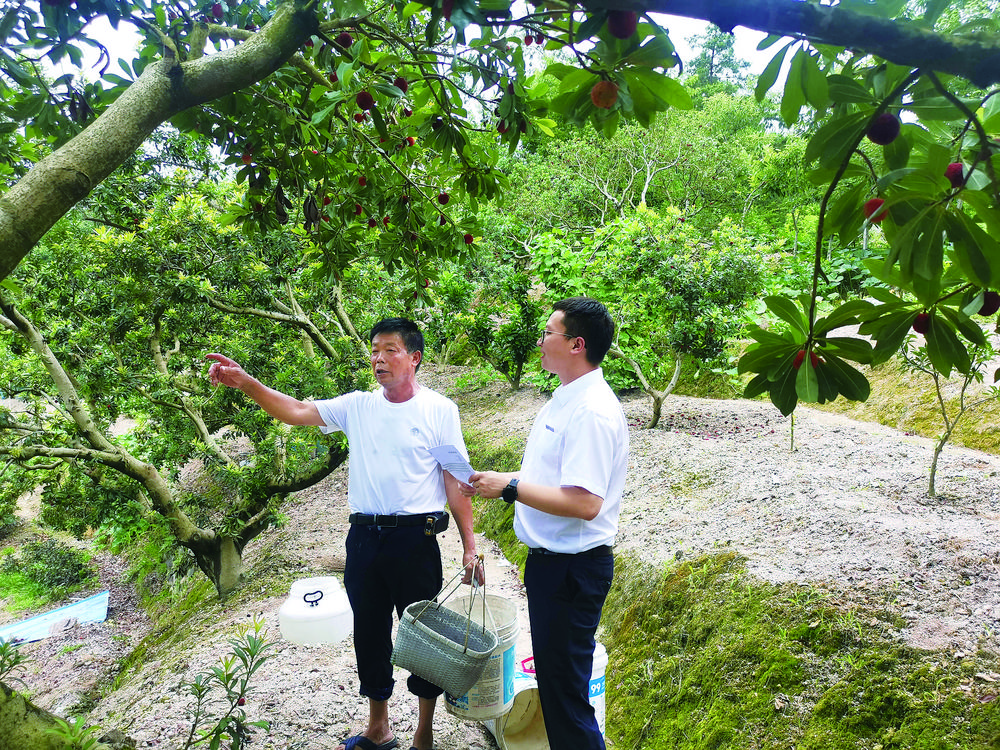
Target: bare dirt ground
[[845, 511]]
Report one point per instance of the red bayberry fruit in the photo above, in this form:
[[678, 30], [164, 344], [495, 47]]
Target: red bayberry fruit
[[872, 210], [404, 198], [362, 181], [800, 357], [407, 112], [309, 43], [991, 303], [443, 198], [539, 39], [604, 94], [247, 157], [814, 360], [922, 322], [327, 200], [365, 100], [447, 6], [622, 23], [954, 174], [502, 127], [411, 141], [442, 220], [883, 129], [385, 220], [333, 77], [357, 209], [401, 84], [528, 40], [372, 223], [242, 701], [217, 11], [344, 39], [360, 116], [468, 239]]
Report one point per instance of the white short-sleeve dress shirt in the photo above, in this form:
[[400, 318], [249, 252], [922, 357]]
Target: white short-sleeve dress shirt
[[579, 439]]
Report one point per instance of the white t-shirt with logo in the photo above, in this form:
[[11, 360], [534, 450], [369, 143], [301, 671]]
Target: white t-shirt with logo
[[391, 470], [579, 439]]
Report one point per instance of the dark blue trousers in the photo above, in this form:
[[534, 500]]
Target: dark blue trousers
[[387, 568], [565, 596]]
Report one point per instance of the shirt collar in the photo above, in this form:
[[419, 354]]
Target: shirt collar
[[565, 393]]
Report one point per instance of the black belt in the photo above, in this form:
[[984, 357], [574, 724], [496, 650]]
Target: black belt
[[433, 523], [602, 551]]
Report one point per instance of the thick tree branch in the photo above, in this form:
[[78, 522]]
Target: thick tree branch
[[975, 58], [61, 180]]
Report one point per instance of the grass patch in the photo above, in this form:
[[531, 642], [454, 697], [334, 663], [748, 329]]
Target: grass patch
[[41, 572], [495, 518], [704, 656]]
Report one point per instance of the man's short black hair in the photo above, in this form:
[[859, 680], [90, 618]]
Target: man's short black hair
[[591, 321], [407, 330]]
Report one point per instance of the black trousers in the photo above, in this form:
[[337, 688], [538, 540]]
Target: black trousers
[[387, 568], [565, 596]]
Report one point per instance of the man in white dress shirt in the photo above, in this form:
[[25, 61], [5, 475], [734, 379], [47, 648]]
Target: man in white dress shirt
[[567, 499]]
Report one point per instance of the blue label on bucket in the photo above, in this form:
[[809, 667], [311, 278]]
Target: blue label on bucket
[[508, 675], [597, 686]]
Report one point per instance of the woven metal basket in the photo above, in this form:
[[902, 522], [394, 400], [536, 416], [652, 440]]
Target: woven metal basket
[[446, 648]]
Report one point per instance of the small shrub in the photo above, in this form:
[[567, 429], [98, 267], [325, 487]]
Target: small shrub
[[49, 566]]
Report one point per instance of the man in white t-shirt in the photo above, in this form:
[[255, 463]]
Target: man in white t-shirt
[[396, 492], [567, 499]]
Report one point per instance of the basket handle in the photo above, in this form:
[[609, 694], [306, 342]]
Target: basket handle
[[439, 600]]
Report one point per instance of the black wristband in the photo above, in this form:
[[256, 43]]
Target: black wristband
[[509, 493]]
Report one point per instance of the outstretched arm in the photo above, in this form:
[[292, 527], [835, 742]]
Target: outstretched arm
[[225, 371]]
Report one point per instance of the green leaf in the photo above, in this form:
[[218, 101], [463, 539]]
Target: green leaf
[[848, 347], [944, 349], [965, 325], [806, 384], [788, 311], [756, 386], [663, 87], [770, 74], [851, 383], [977, 254], [833, 140], [843, 89], [658, 52], [794, 95], [783, 392], [846, 314], [814, 83]]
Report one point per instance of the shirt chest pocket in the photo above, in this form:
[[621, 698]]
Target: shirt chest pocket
[[550, 446]]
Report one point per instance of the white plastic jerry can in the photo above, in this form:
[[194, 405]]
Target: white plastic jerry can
[[316, 611]]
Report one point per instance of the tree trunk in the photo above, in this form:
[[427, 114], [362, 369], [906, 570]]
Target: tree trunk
[[25, 726], [220, 559]]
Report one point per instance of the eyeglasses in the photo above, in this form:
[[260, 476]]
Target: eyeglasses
[[546, 331]]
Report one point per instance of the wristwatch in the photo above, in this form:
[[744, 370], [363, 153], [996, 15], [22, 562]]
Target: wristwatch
[[509, 493]]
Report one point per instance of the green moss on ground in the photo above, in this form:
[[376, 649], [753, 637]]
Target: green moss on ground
[[703, 656]]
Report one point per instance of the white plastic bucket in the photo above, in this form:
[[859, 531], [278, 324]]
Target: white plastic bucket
[[597, 684], [493, 694], [523, 726], [316, 611]]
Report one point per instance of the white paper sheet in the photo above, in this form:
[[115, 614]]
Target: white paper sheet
[[453, 462]]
